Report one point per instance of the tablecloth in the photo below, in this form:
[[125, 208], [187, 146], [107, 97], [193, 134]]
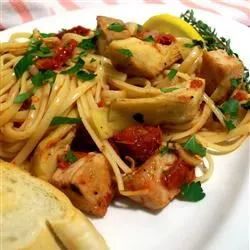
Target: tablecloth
[[15, 12]]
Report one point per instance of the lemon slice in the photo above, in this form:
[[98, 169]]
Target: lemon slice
[[166, 23]]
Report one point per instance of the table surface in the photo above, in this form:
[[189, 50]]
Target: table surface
[[15, 12]]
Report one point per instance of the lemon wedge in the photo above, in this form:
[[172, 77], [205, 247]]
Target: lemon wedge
[[166, 23]]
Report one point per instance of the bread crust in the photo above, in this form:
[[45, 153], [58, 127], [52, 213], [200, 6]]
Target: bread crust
[[70, 231]]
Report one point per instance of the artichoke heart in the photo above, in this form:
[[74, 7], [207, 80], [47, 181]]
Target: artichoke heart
[[178, 106], [55, 144]]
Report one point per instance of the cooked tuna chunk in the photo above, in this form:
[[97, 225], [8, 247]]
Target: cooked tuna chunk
[[107, 35], [139, 58], [87, 183], [162, 176], [218, 68]]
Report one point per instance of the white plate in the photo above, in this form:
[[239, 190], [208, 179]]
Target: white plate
[[220, 221]]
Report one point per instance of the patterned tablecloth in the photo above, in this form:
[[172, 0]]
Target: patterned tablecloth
[[14, 12]]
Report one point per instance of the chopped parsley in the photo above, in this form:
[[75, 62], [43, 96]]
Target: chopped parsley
[[58, 120], [194, 43], [43, 51], [22, 97], [194, 147], [192, 192], [117, 27], [235, 82], [171, 74], [166, 90], [77, 67], [23, 65], [85, 76], [45, 35], [35, 49], [125, 52], [164, 150], [230, 107], [43, 77], [138, 117], [149, 39], [88, 44], [92, 60], [32, 107], [70, 157], [229, 124]]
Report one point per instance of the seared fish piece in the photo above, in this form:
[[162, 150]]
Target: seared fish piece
[[87, 183], [162, 176], [218, 68], [147, 59]]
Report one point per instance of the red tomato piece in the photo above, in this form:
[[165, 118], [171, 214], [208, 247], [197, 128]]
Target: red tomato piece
[[138, 141], [165, 39], [240, 95], [63, 164], [79, 30], [62, 54], [196, 83], [181, 173], [101, 104]]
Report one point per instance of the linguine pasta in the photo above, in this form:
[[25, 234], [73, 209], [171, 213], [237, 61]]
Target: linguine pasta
[[105, 96]]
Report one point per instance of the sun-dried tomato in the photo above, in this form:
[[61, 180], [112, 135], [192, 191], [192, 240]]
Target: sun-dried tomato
[[181, 173], [165, 39], [240, 95], [138, 141], [63, 165], [79, 30], [61, 55], [196, 83]]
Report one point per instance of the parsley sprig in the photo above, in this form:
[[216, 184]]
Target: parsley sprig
[[70, 157], [193, 146], [36, 49], [192, 192]]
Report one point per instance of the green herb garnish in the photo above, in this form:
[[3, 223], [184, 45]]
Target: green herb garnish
[[35, 49], [92, 60], [117, 27], [213, 41], [88, 44], [23, 64], [171, 74], [22, 97], [70, 157], [58, 120], [43, 51], [194, 147], [125, 52], [32, 107], [192, 192], [45, 35], [194, 43], [73, 70], [85, 76], [149, 39], [43, 77], [229, 124], [166, 90], [235, 82], [230, 107], [164, 150]]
